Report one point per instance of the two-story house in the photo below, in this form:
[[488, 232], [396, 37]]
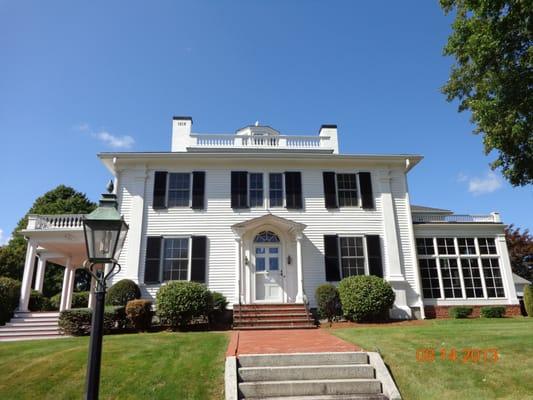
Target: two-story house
[[264, 217]]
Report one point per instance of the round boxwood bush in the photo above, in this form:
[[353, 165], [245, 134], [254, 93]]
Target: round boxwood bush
[[217, 308], [328, 301], [9, 298], [179, 302], [139, 314], [121, 292], [459, 312], [492, 312], [365, 298], [79, 300], [528, 300]]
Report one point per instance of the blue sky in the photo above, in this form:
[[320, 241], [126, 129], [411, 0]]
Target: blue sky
[[77, 78]]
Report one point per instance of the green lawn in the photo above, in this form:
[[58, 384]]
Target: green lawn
[[511, 377], [136, 366]]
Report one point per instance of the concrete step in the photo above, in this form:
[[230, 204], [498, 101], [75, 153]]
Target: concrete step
[[326, 397], [273, 313], [295, 359], [306, 372], [277, 321], [310, 388], [30, 324], [30, 337], [27, 331], [31, 314], [34, 320], [276, 327]]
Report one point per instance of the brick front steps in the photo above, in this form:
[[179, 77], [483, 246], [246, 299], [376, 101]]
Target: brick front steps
[[31, 326], [272, 316]]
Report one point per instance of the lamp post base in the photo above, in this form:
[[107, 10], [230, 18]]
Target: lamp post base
[[95, 347]]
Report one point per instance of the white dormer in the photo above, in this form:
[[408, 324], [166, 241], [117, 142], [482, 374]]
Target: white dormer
[[253, 138]]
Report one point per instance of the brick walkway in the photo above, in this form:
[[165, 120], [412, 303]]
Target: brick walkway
[[286, 341]]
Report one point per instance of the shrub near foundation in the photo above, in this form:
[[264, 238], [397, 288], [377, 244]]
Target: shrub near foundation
[[459, 312], [528, 300], [9, 298], [492, 312], [365, 298], [328, 301], [77, 321], [139, 314], [121, 292]]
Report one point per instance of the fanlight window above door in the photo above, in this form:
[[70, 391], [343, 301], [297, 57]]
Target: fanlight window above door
[[266, 237]]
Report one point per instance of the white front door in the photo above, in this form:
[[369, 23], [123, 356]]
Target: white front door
[[268, 272]]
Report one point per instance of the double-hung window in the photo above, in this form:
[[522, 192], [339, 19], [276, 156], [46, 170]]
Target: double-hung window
[[179, 189], [175, 259], [256, 190], [347, 190], [352, 256], [275, 189]]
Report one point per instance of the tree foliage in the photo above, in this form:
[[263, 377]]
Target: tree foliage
[[61, 200], [493, 78], [520, 245]]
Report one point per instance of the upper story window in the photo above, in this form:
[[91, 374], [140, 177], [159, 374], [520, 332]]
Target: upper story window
[[275, 189], [487, 246], [256, 190], [179, 190], [347, 190]]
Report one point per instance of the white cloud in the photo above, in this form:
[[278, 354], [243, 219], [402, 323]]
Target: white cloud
[[117, 142], [3, 238], [114, 141], [481, 185]]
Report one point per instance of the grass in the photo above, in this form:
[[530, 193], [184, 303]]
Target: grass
[[136, 366], [511, 377]]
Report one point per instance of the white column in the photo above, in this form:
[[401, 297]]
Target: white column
[[238, 272], [64, 289], [39, 276], [91, 293], [27, 276], [299, 270], [70, 289]]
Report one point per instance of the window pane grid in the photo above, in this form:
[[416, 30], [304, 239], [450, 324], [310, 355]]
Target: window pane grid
[[487, 246], [472, 277], [493, 277], [424, 246], [430, 278], [256, 190], [347, 190], [276, 190], [467, 246], [451, 280], [175, 259], [352, 256], [179, 189], [445, 246]]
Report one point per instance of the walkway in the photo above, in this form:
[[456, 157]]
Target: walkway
[[286, 341]]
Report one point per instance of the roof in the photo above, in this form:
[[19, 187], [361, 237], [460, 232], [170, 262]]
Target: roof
[[429, 210], [520, 280]]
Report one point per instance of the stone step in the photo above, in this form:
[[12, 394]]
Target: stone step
[[263, 315], [29, 333], [310, 388], [32, 320], [277, 321], [31, 323], [30, 314], [326, 397], [295, 359], [29, 337], [7, 331], [287, 306], [306, 372]]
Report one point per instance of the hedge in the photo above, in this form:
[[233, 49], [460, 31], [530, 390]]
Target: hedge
[[365, 298], [121, 292], [528, 300], [492, 312], [9, 298], [179, 302], [38, 302], [77, 321], [459, 312], [328, 301], [139, 314], [217, 308], [79, 300]]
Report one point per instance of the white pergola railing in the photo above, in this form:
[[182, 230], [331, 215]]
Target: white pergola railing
[[455, 218], [55, 222], [261, 142]]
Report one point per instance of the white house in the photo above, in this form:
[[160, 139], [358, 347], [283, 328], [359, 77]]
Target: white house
[[264, 217]]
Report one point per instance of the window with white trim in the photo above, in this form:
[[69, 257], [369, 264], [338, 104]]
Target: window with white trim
[[175, 259], [179, 190], [352, 256], [487, 246], [275, 189], [451, 281], [472, 277], [256, 190], [347, 190], [493, 277], [430, 278]]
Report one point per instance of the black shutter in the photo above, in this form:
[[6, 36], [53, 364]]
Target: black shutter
[[198, 190], [293, 190], [153, 258], [239, 189], [199, 258], [330, 191], [365, 183], [331, 258], [373, 247], [160, 189]]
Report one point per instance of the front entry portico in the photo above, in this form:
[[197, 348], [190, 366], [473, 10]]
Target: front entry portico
[[269, 267]]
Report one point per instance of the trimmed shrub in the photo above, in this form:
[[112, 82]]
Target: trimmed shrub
[[38, 302], [459, 312], [121, 292], [139, 314], [528, 300], [9, 298], [79, 300], [77, 321], [217, 307], [179, 302], [492, 312], [328, 301], [365, 298]]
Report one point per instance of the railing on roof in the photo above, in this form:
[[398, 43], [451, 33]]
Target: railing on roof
[[261, 142], [455, 218], [55, 222]]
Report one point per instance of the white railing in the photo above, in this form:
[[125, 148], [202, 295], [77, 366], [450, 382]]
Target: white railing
[[51, 222], [224, 141], [455, 218]]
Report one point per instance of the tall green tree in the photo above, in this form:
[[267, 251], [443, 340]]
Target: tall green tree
[[61, 200], [520, 245], [492, 77]]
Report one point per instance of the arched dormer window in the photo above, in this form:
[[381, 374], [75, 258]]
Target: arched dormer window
[[266, 237]]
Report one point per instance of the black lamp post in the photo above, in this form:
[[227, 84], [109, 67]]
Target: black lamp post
[[105, 232]]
